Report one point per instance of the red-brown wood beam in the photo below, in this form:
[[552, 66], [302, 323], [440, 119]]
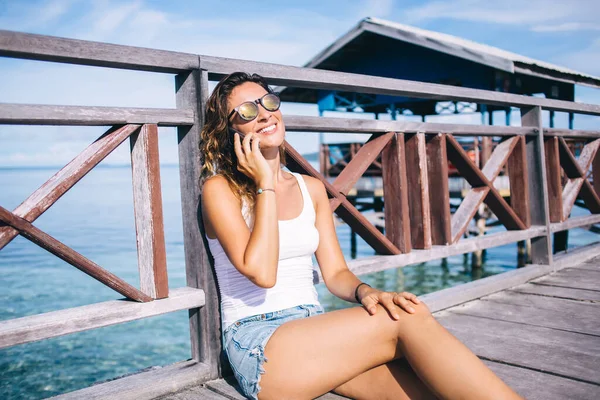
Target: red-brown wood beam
[[395, 193], [147, 205], [342, 207], [439, 194], [360, 162], [573, 186], [476, 178], [466, 211], [418, 184], [47, 242], [519, 185], [553, 170], [44, 197]]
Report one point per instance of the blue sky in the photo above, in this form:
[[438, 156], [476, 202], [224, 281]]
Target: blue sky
[[563, 33]]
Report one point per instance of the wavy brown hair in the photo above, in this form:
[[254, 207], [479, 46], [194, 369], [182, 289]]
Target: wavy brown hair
[[216, 139]]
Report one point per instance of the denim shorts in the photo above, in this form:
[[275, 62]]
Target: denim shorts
[[244, 343]]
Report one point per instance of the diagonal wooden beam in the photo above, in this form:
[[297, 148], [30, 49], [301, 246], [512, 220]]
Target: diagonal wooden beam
[[498, 158], [579, 167], [568, 161], [44, 197], [476, 178], [360, 162], [342, 207], [466, 211], [47, 242]]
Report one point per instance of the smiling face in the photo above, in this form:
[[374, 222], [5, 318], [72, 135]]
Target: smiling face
[[268, 125]]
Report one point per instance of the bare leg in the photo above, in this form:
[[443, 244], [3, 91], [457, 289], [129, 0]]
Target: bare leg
[[394, 380], [311, 356]]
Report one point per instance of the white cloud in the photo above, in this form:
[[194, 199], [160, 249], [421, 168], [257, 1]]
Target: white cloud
[[510, 12], [567, 27]]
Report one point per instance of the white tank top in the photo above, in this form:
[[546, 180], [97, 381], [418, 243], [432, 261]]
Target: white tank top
[[298, 240]]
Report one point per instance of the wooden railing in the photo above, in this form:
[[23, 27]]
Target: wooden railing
[[418, 223]]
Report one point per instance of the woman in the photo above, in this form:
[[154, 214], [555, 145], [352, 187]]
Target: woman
[[263, 225]]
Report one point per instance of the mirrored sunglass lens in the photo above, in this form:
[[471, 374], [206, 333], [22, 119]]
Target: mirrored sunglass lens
[[271, 102], [248, 111]]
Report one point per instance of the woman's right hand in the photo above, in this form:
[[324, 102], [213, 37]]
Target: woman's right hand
[[251, 162]]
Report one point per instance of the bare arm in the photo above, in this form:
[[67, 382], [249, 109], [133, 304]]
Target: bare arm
[[255, 254], [338, 278]]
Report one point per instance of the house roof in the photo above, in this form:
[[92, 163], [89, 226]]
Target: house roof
[[459, 47]]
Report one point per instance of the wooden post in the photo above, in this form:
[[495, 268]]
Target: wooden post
[[395, 193], [538, 190], [418, 192], [147, 204], [205, 330], [439, 195]]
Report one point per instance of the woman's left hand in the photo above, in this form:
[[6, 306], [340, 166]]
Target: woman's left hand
[[389, 300]]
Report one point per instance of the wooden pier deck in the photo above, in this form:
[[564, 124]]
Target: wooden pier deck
[[541, 337]]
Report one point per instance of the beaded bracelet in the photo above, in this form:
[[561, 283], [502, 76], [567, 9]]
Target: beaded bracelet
[[356, 291], [262, 190]]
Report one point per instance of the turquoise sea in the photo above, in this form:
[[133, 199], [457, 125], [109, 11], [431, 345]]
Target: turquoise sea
[[96, 219]]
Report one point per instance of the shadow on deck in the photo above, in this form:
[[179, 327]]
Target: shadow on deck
[[541, 337]]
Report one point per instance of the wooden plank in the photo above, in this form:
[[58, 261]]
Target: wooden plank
[[395, 193], [590, 197], [332, 80], [145, 385], [466, 211], [229, 388], [380, 263], [568, 161], [574, 185], [498, 158], [596, 173], [536, 385], [553, 175], [572, 317], [69, 255], [558, 291], [44, 197], [361, 162], [205, 329], [85, 52], [541, 247], [517, 176], [575, 222], [35, 114], [226, 387], [304, 123], [460, 159], [572, 278], [567, 354], [450, 297], [557, 304], [342, 207], [592, 266], [477, 178], [418, 193], [194, 393], [64, 322], [439, 194], [505, 214], [572, 133], [147, 205]]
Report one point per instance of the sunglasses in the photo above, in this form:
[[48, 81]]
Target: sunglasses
[[248, 110]]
